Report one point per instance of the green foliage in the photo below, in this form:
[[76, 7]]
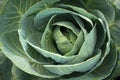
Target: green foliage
[[59, 39]]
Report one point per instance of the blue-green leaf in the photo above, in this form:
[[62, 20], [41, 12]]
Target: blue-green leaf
[[11, 13], [77, 67], [13, 50], [5, 70], [87, 48]]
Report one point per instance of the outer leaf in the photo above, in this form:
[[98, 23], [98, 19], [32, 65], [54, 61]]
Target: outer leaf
[[115, 32], [11, 12], [115, 29], [105, 26], [12, 49], [82, 26], [1, 4], [5, 70], [20, 75], [79, 3], [29, 15], [2, 57], [78, 67], [46, 14], [117, 70], [26, 32], [81, 11], [102, 5]]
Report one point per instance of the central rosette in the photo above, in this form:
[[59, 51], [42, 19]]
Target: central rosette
[[63, 37], [64, 40], [69, 35]]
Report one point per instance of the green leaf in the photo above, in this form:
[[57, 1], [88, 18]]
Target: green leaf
[[117, 70], [46, 14], [2, 2], [2, 57], [77, 67], [68, 25], [77, 45], [11, 13], [87, 48], [63, 44], [115, 29], [81, 24], [81, 11], [13, 50], [79, 3], [20, 75], [47, 41], [36, 57], [30, 14], [104, 29], [5, 70], [104, 38], [103, 5], [24, 33]]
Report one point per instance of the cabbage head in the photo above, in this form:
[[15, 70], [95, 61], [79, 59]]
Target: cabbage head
[[59, 39]]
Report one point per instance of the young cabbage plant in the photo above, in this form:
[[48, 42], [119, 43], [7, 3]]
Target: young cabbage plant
[[59, 39]]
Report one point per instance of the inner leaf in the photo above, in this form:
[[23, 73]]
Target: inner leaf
[[68, 34], [65, 34], [63, 44]]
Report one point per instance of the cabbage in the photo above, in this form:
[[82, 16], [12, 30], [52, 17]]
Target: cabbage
[[59, 39]]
